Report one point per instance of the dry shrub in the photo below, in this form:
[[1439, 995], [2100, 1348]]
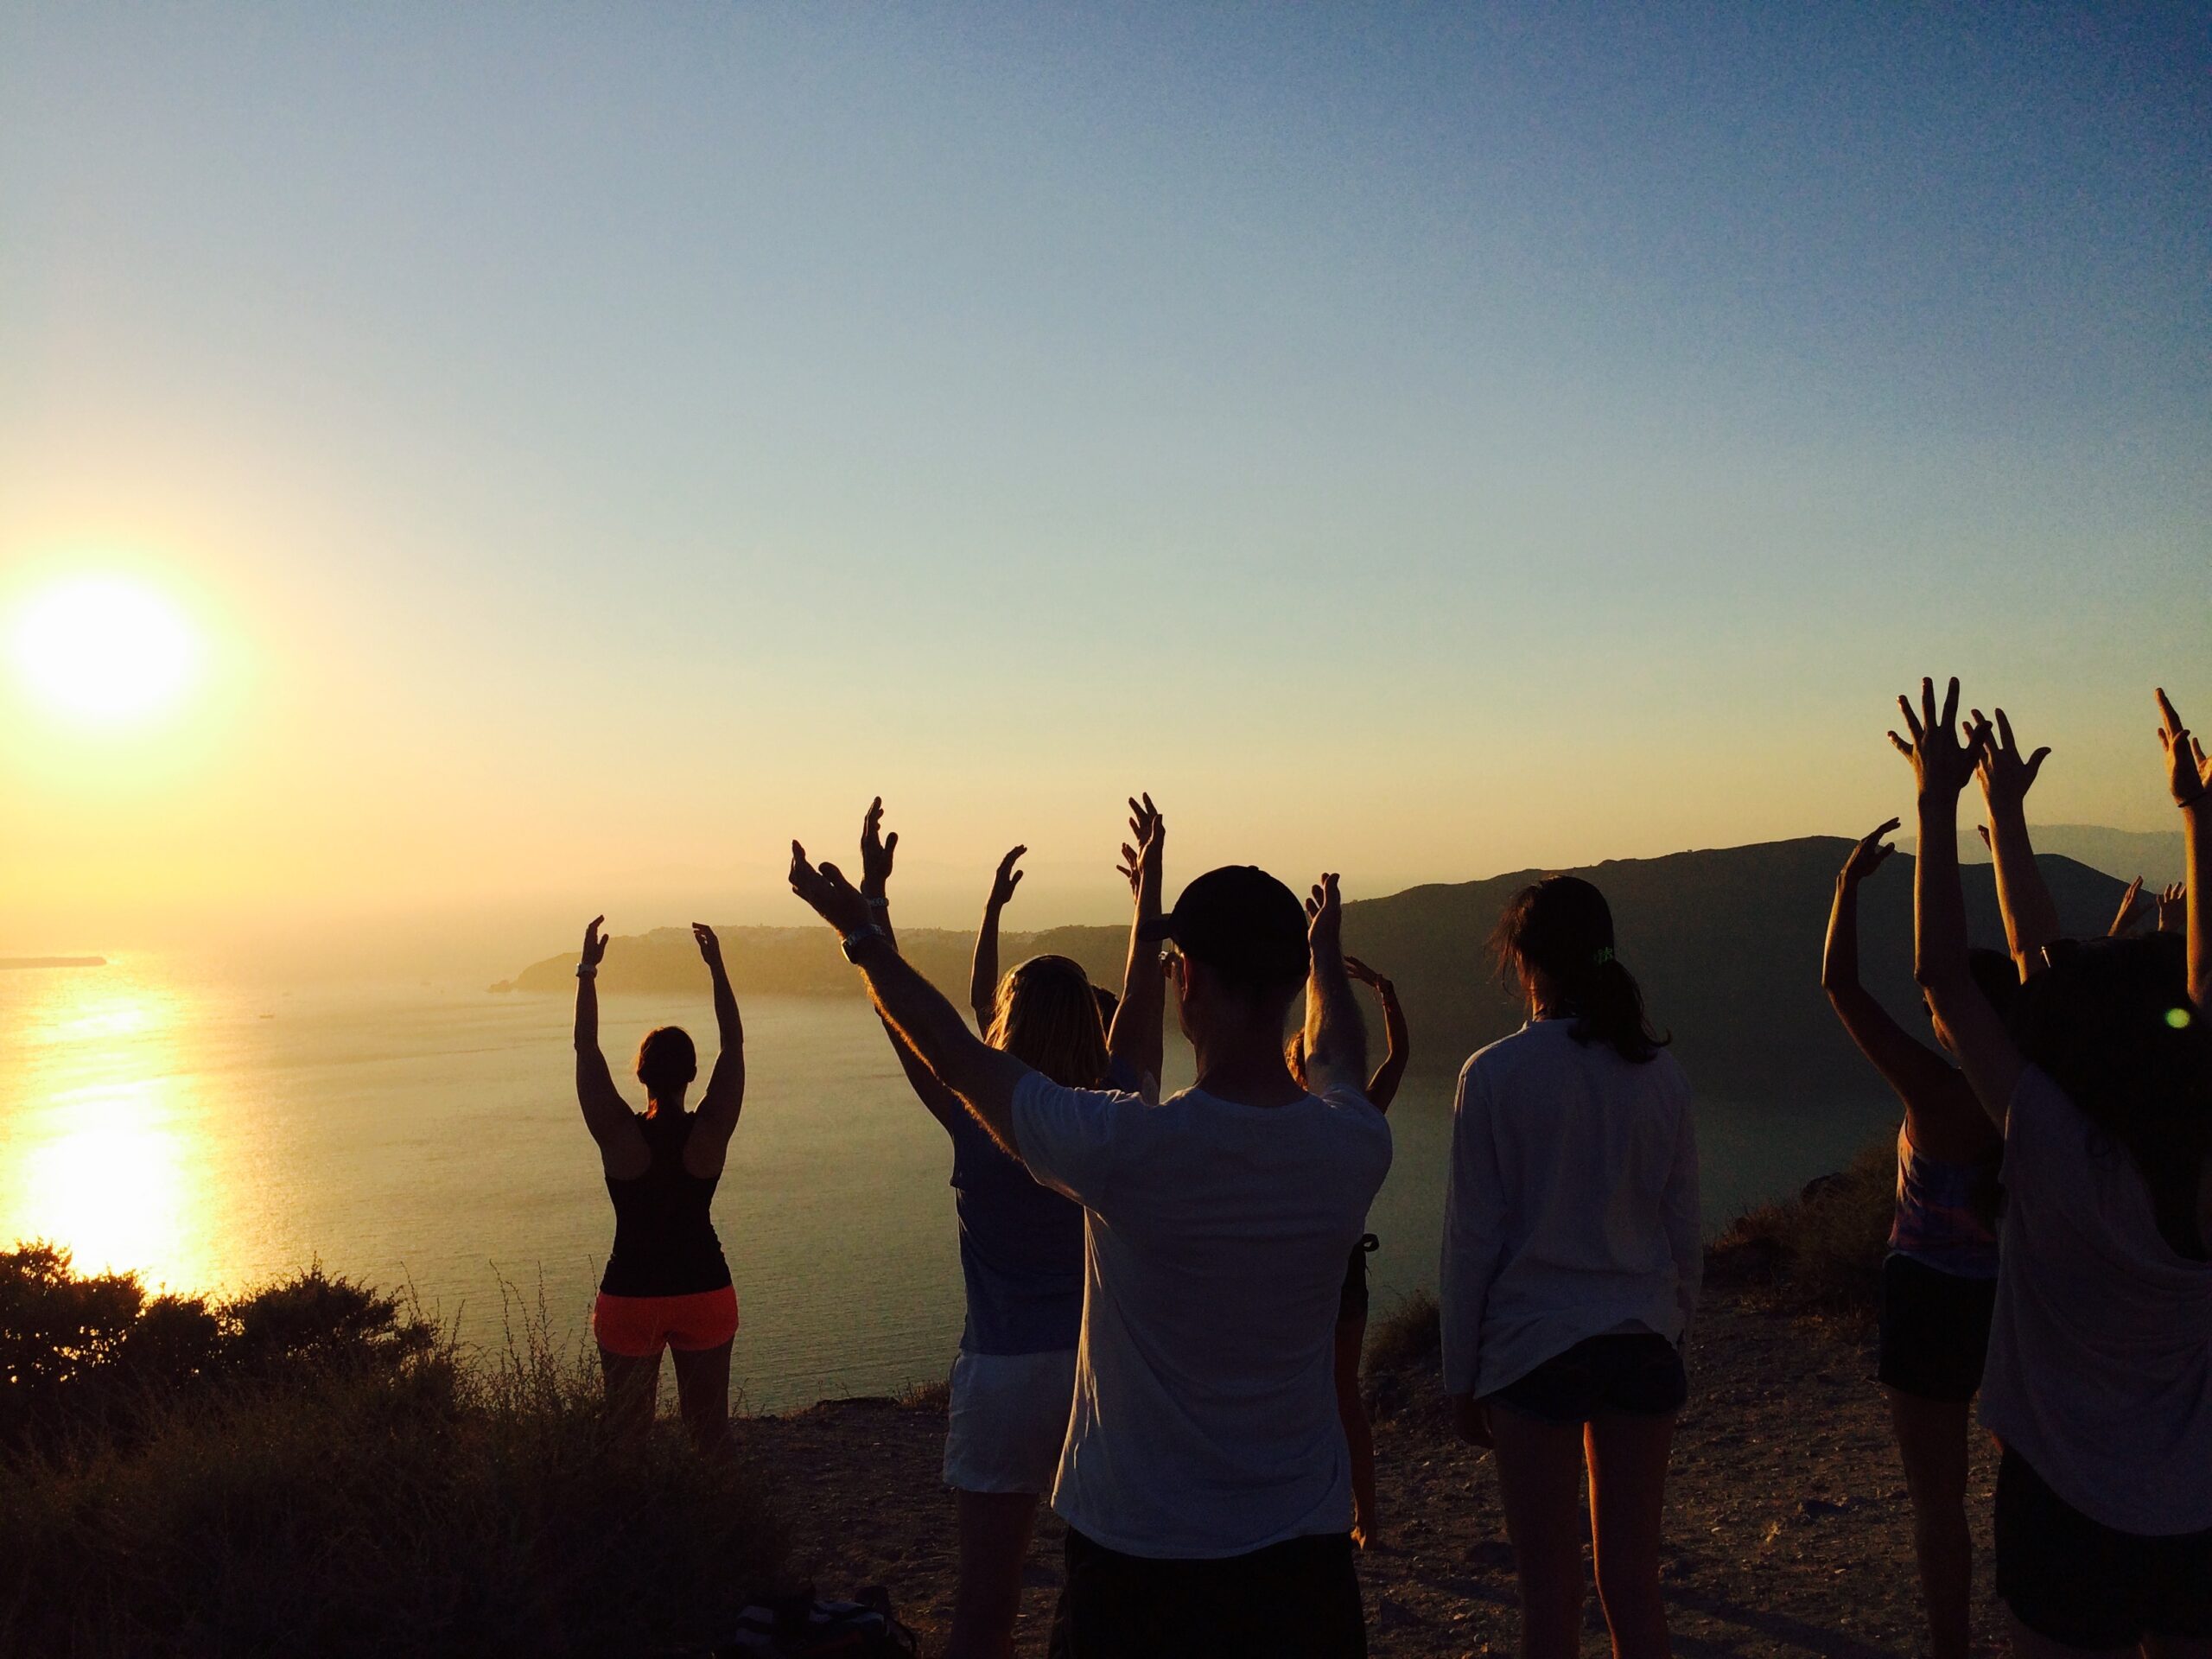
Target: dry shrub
[[1822, 1249], [392, 1496]]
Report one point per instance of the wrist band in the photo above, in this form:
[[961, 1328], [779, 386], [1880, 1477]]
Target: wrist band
[[2197, 799], [587, 970], [879, 902]]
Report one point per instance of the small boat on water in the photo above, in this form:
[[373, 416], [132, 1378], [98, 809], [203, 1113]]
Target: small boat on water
[[53, 961]]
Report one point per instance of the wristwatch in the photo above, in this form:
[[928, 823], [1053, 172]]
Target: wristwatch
[[859, 937]]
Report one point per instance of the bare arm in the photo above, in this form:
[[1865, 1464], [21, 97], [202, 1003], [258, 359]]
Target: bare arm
[[1336, 1041], [607, 1115], [724, 1099], [2031, 918], [2190, 775], [1941, 764], [1137, 1039], [983, 1078], [1397, 1040], [1920, 1075], [877, 854], [983, 971]]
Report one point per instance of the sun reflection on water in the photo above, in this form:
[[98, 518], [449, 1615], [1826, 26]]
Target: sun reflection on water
[[107, 1152]]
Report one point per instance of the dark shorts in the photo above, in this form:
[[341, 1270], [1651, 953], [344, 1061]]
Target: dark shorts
[[1298, 1600], [2074, 1581], [1934, 1330], [1638, 1372], [1351, 1300]]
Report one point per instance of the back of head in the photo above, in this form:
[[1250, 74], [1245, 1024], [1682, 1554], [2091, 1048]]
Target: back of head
[[667, 1062], [2110, 1022], [1047, 1016], [1998, 978], [1562, 927], [1247, 930]]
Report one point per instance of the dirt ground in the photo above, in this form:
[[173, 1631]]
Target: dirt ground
[[1789, 1531]]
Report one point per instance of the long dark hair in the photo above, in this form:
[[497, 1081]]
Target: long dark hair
[[1046, 1013], [1563, 926], [2111, 1023]]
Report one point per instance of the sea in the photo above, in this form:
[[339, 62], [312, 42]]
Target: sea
[[210, 1131]]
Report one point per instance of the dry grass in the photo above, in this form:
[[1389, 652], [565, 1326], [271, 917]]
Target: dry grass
[[1823, 1249], [381, 1492]]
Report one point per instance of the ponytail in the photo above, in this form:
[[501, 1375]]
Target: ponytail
[[1562, 927]]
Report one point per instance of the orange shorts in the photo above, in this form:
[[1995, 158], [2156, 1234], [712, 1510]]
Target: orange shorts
[[638, 1327]]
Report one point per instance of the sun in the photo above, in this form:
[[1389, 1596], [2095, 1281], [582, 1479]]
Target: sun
[[105, 651]]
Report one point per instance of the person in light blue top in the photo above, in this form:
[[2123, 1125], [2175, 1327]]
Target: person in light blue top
[[1021, 1245]]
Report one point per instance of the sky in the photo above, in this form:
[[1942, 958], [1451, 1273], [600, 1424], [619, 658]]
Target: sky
[[592, 445]]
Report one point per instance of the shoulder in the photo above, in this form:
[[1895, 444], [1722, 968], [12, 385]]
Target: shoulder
[[2037, 1106]]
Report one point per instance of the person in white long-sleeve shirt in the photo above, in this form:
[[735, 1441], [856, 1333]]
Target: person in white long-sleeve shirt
[[1570, 1270]]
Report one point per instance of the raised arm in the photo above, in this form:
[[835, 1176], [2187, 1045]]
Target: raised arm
[[984, 972], [983, 1078], [2190, 776], [877, 853], [1383, 1087], [2129, 917], [1942, 763], [1137, 1039], [1336, 1042], [725, 1096], [1916, 1071], [2031, 918], [622, 1150]]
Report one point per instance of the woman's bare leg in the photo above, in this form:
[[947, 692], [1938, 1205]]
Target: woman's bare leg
[[632, 1390], [1351, 1410], [1539, 1483], [1932, 1439], [994, 1545], [1628, 1489], [703, 1394]]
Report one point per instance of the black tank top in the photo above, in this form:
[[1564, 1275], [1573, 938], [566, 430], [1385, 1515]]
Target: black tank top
[[664, 1242]]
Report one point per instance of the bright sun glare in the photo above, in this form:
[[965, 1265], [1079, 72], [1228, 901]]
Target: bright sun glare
[[106, 651]]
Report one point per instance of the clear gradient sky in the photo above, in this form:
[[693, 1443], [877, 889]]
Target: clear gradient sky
[[596, 443]]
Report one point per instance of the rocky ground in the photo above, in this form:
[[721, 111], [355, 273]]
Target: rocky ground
[[1788, 1530]]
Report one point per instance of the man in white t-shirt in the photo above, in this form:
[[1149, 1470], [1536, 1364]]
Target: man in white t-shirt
[[1206, 1480]]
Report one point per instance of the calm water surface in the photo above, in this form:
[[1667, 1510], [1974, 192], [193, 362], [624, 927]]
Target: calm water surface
[[214, 1133]]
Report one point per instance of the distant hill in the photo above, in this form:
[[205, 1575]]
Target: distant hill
[[2154, 854], [1726, 943]]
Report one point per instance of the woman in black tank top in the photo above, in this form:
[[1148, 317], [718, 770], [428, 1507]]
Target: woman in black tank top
[[666, 1283]]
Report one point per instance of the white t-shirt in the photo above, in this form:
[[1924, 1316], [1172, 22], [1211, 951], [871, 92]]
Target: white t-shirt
[[1571, 1208], [2099, 1370], [1215, 1236]]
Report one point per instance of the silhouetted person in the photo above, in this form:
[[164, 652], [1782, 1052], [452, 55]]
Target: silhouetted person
[[1572, 1255], [1939, 1281], [1020, 1257], [1204, 1480], [2099, 1382], [1352, 1300], [666, 1284]]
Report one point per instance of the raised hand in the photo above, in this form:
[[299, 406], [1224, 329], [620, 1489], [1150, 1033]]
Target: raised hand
[[1142, 852], [2126, 920], [710, 948], [827, 893], [876, 851], [1006, 879], [2188, 773], [1355, 968], [595, 943], [2006, 776], [1867, 857], [1941, 761], [2173, 908], [1324, 917]]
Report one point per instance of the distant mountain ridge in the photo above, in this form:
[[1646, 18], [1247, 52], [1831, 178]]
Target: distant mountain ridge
[[1726, 943], [2154, 854]]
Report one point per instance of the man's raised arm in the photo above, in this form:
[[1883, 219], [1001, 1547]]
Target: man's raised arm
[[983, 1078]]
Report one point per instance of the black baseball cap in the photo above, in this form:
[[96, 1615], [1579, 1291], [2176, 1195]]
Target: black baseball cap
[[1243, 923]]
